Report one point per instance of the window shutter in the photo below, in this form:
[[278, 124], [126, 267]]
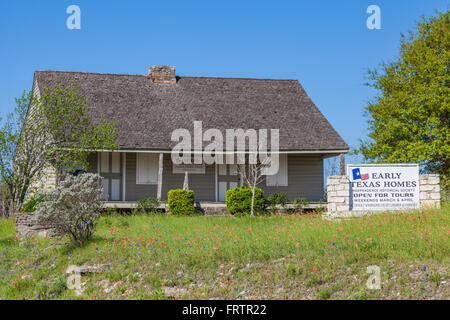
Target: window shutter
[[146, 168], [282, 174], [104, 162], [280, 179], [139, 168], [271, 180], [115, 165], [153, 168], [222, 169]]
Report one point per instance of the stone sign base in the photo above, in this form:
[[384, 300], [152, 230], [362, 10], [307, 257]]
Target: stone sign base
[[430, 191], [338, 196]]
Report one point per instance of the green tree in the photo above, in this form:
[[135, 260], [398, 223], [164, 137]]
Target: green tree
[[409, 118], [54, 130]]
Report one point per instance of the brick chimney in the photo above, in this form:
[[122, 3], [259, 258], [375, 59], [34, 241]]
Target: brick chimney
[[162, 74]]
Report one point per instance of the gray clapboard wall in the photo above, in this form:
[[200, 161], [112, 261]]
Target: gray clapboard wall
[[305, 179], [202, 184]]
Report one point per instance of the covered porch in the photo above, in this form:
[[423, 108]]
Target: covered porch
[[131, 175]]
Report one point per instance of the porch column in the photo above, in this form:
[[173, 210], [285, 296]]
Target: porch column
[[342, 164], [160, 176], [124, 171], [98, 162]]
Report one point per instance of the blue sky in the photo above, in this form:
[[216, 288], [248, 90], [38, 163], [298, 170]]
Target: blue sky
[[324, 44]]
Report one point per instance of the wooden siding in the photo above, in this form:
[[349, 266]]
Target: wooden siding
[[202, 184], [135, 191], [305, 179]]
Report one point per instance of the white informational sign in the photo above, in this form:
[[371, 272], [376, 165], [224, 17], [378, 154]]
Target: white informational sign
[[383, 186], [189, 168]]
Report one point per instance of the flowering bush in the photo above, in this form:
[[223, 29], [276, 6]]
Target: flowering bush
[[299, 204], [73, 206], [321, 209]]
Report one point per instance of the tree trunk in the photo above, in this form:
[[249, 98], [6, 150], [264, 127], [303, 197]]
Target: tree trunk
[[12, 209], [186, 181], [253, 201], [160, 176]]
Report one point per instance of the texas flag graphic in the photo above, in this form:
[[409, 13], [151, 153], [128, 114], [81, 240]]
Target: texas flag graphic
[[358, 176]]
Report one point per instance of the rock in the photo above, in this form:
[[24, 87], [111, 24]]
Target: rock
[[91, 269], [174, 291], [107, 288], [85, 269], [79, 291], [26, 226]]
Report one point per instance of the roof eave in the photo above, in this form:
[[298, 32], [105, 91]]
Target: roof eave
[[333, 151]]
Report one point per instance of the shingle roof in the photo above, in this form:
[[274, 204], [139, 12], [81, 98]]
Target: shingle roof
[[147, 112]]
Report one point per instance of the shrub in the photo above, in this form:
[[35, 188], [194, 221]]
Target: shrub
[[299, 204], [321, 209], [276, 199], [148, 205], [30, 205], [239, 200], [181, 202], [73, 206]]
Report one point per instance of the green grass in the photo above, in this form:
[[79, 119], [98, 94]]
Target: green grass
[[273, 257]]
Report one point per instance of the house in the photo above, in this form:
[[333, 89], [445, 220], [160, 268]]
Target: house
[[148, 108]]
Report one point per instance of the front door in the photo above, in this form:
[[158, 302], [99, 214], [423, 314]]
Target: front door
[[227, 178], [110, 170]]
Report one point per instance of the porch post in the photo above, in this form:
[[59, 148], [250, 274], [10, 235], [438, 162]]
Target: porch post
[[342, 164], [124, 170], [98, 162], [216, 181], [160, 176]]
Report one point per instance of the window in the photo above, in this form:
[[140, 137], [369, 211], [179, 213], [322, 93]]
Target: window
[[281, 178], [146, 168]]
